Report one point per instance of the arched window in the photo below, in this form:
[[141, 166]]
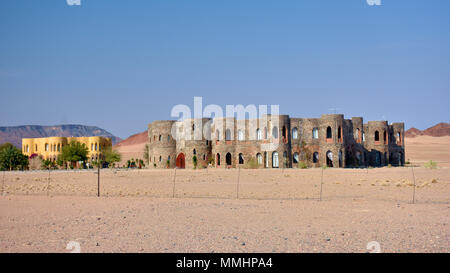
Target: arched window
[[315, 133], [258, 134], [339, 132], [96, 146], [295, 158], [194, 152], [377, 136], [228, 135], [329, 159], [385, 136], [204, 156], [295, 133], [207, 142], [399, 138], [218, 159], [275, 132], [159, 137], [160, 158], [275, 163], [284, 132], [228, 159], [92, 146], [241, 159], [259, 158], [329, 133], [240, 135], [315, 157], [193, 127]]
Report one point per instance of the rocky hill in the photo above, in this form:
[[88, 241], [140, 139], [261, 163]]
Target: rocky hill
[[439, 130], [14, 134]]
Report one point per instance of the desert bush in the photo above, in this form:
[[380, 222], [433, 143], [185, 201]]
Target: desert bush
[[147, 153], [194, 161], [111, 156], [48, 165], [211, 160], [431, 165], [252, 164], [303, 165]]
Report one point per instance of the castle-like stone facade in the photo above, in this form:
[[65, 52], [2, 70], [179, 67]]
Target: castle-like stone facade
[[276, 142]]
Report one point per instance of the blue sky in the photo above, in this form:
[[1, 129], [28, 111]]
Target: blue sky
[[121, 64]]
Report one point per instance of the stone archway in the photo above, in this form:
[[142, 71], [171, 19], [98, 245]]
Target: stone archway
[[181, 161]]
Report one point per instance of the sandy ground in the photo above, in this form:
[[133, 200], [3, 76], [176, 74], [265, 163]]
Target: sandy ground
[[424, 148], [277, 210]]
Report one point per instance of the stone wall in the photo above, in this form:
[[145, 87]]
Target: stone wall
[[277, 142]]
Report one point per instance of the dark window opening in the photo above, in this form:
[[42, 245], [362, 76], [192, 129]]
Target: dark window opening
[[241, 159]]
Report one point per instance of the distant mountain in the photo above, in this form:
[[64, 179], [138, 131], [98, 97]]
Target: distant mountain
[[134, 139], [441, 129], [14, 134]]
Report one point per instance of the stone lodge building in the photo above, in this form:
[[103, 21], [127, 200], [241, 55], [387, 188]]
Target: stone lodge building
[[276, 142]]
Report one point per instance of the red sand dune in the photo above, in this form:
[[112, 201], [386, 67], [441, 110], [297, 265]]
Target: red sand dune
[[134, 139], [132, 147]]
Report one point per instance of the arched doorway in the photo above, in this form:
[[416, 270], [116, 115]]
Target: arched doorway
[[275, 163], [329, 159], [377, 159], [228, 159], [181, 162], [218, 159]]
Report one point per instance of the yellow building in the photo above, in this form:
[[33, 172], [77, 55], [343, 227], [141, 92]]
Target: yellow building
[[50, 147]]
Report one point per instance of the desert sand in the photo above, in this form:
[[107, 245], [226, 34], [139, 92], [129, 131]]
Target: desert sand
[[424, 148], [272, 210]]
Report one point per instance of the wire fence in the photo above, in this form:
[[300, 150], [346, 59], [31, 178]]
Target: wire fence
[[402, 184]]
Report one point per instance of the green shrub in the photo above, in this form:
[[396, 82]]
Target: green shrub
[[252, 164], [431, 165], [302, 165], [194, 161]]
